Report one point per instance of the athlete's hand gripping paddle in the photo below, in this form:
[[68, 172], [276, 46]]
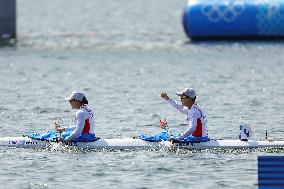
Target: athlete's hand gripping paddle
[[57, 128], [164, 125], [56, 124]]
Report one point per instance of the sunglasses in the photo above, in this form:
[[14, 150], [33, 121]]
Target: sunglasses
[[183, 97]]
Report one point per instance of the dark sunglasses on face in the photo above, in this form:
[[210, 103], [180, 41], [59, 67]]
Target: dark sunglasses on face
[[183, 97]]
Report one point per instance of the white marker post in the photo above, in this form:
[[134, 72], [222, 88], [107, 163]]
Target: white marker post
[[245, 132]]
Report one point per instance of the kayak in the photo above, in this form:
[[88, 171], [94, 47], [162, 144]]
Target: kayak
[[134, 143], [127, 143], [47, 139]]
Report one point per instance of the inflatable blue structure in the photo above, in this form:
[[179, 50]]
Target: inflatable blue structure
[[210, 19]]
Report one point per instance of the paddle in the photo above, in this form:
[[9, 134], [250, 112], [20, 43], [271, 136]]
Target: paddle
[[57, 125], [164, 125]]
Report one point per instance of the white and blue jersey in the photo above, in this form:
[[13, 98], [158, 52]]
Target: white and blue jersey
[[83, 130]]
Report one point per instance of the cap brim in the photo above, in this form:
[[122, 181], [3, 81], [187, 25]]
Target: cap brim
[[68, 99], [179, 93]]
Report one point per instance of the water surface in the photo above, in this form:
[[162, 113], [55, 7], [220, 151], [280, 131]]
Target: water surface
[[123, 55]]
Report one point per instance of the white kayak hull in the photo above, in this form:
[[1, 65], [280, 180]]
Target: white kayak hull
[[127, 143], [130, 143]]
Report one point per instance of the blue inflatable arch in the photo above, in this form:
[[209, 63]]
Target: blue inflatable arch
[[205, 19]]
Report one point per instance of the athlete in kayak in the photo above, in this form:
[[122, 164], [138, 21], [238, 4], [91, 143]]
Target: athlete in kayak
[[83, 130], [196, 122]]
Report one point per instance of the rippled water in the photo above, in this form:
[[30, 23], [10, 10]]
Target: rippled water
[[122, 55]]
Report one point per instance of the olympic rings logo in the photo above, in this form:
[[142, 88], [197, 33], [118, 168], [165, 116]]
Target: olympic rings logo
[[273, 9], [227, 11]]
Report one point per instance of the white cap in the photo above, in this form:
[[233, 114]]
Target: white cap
[[187, 92], [75, 95]]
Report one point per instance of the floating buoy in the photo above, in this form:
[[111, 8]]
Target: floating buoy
[[209, 19]]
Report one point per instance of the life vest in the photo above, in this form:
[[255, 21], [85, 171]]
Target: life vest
[[199, 126]]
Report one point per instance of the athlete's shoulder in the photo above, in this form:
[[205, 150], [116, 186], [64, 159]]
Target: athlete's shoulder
[[197, 107], [194, 110], [191, 111], [80, 112]]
